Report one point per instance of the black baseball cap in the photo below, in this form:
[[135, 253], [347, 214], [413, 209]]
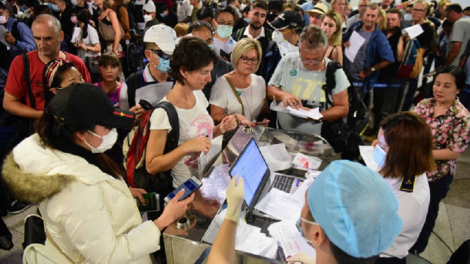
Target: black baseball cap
[[290, 19], [83, 104]]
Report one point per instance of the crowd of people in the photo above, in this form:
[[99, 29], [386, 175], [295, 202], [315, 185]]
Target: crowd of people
[[77, 76]]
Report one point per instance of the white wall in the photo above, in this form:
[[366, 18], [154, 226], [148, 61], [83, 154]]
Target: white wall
[[463, 3]]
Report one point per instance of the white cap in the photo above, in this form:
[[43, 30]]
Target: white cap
[[163, 36], [149, 7]]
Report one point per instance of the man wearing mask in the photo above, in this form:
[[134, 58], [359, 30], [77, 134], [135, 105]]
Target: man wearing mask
[[223, 24], [160, 42], [166, 16], [363, 4], [316, 14], [18, 37], [285, 39], [255, 29], [204, 31], [374, 54], [150, 15]]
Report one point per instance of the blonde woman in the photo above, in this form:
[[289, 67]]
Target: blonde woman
[[240, 92], [109, 17], [331, 25], [340, 7], [382, 20]]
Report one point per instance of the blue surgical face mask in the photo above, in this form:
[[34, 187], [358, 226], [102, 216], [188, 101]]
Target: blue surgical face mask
[[162, 14], [247, 19], [408, 17], [224, 3], [163, 65], [379, 155], [212, 46], [224, 31], [55, 8]]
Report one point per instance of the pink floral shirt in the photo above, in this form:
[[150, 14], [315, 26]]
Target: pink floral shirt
[[451, 131]]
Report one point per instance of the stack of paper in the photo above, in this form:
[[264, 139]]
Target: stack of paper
[[302, 113], [290, 239], [248, 238], [279, 205], [276, 156]]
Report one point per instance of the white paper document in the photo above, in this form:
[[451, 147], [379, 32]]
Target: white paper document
[[76, 33], [307, 162], [153, 93], [206, 160], [3, 31], [276, 156], [290, 239], [279, 205], [248, 238], [367, 153], [414, 31], [302, 113], [355, 43]]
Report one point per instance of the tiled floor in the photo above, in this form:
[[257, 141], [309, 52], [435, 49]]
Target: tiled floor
[[452, 227]]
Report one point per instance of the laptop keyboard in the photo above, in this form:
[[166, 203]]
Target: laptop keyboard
[[283, 183]]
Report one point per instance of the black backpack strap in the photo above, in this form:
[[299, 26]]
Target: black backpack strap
[[330, 83], [174, 135], [15, 31], [27, 77], [132, 86]]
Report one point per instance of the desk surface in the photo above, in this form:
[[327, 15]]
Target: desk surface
[[186, 246]]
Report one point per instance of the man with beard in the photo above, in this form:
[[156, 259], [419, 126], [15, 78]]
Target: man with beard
[[387, 87], [255, 29]]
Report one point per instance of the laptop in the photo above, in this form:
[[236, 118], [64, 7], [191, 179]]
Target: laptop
[[251, 166]]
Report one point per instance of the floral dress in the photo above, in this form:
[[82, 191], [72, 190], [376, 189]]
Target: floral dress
[[451, 130]]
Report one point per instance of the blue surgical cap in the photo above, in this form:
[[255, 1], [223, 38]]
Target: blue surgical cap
[[356, 208]]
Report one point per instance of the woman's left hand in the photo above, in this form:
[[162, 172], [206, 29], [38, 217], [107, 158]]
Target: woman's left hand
[[228, 123], [137, 193]]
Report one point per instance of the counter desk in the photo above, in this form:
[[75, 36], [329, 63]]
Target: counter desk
[[186, 246]]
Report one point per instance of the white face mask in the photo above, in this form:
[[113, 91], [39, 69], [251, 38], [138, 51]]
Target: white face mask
[[147, 18], [3, 20], [277, 36], [408, 17], [107, 143], [74, 2]]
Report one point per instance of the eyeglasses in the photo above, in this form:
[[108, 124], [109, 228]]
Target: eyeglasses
[[314, 62], [246, 60], [418, 10], [161, 54]]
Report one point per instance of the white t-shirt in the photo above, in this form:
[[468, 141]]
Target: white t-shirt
[[412, 209], [252, 97], [194, 122], [291, 76], [184, 9], [91, 40]]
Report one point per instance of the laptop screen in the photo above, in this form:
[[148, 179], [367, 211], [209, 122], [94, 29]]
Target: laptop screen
[[250, 165]]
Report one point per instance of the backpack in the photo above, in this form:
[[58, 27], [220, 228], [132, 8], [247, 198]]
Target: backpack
[[412, 63], [130, 15], [344, 134], [135, 145], [135, 57]]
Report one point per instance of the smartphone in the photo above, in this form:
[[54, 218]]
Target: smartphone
[[190, 186], [151, 204]]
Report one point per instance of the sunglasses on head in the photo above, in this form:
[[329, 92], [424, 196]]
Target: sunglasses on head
[[161, 54]]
